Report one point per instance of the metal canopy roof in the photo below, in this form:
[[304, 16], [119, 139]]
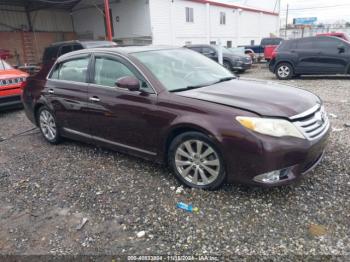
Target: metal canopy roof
[[33, 5]]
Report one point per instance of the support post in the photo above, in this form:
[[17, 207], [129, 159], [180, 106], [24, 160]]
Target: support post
[[287, 20], [220, 52], [29, 20], [108, 21]]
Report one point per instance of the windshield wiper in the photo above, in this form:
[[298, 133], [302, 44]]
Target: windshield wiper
[[224, 79]]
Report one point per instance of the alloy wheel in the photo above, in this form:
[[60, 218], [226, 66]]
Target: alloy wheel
[[48, 125], [283, 71], [197, 162]]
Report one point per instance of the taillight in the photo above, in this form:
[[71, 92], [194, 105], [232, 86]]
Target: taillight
[[274, 54]]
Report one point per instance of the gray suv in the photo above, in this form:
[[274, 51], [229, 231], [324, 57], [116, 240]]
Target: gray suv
[[231, 61]]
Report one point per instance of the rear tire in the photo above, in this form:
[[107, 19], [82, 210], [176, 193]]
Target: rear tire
[[196, 161], [48, 125], [284, 71]]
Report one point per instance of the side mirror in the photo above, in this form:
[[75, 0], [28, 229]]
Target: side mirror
[[341, 48], [128, 82]]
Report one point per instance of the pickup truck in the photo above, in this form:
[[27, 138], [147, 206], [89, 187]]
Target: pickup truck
[[272, 43], [339, 35]]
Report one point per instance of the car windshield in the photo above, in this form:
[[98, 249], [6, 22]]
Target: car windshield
[[183, 69], [4, 65]]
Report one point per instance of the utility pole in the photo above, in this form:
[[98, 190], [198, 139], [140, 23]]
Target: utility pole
[[108, 21], [287, 20]]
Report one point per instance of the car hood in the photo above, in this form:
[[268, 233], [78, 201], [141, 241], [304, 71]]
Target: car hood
[[261, 97], [235, 56], [12, 73]]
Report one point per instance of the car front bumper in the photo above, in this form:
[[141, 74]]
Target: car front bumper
[[10, 102], [264, 154], [243, 66]]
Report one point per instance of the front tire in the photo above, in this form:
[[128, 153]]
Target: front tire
[[196, 161], [48, 125], [284, 71], [227, 65]]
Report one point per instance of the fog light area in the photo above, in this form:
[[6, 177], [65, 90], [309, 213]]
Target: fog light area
[[273, 176]]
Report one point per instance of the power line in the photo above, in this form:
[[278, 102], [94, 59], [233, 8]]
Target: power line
[[319, 7]]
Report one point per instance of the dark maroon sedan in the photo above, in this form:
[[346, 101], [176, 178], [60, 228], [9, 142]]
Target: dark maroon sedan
[[176, 106]]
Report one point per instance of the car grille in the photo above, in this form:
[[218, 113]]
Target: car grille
[[12, 81], [313, 125]]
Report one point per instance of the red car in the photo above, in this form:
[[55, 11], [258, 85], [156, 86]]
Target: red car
[[339, 35], [5, 54], [11, 85]]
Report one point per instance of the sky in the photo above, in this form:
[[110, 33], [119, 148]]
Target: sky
[[327, 11]]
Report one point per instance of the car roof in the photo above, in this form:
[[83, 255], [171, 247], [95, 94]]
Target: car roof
[[120, 50], [85, 43], [198, 45], [319, 37]]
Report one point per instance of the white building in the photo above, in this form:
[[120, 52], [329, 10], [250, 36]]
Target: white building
[[175, 22]]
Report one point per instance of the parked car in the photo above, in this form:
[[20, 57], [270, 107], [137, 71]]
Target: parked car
[[259, 49], [339, 35], [231, 61], [5, 54], [311, 56], [243, 52], [55, 50], [176, 106], [252, 55], [11, 83]]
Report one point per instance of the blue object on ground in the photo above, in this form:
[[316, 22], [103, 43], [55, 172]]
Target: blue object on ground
[[188, 208]]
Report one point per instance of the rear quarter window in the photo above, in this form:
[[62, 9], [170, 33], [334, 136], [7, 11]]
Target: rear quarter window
[[287, 45], [271, 41], [305, 44], [50, 53], [197, 49]]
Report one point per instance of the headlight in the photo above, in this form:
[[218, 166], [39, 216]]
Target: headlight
[[270, 126]]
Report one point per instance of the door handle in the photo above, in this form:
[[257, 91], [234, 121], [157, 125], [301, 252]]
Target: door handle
[[94, 99], [51, 91]]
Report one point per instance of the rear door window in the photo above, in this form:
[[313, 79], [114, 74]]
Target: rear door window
[[65, 49], [74, 70], [327, 45]]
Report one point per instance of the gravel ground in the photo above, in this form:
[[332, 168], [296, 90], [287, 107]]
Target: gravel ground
[[46, 191]]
